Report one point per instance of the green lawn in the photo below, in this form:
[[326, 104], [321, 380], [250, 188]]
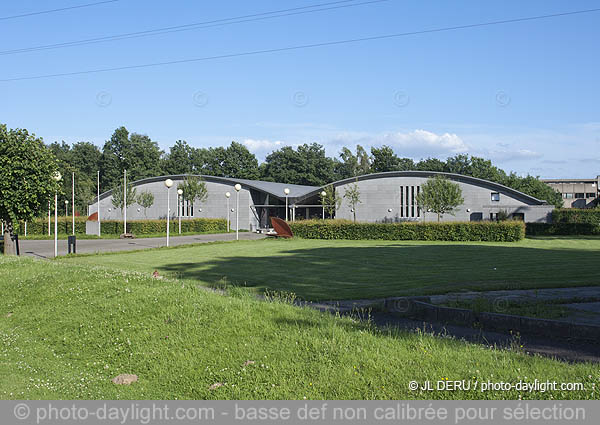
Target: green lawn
[[321, 269], [67, 329]]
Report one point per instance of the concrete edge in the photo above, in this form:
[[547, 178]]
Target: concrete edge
[[419, 308]]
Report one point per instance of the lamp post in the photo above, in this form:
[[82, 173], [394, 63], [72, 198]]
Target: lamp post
[[98, 199], [73, 201], [57, 177], [125, 203], [237, 188], [287, 192], [66, 216], [179, 205], [323, 195], [168, 184], [228, 195], [49, 209]]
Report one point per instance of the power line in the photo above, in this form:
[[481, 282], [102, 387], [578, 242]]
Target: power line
[[304, 46], [42, 12], [197, 25]]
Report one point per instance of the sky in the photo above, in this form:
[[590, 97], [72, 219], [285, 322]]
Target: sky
[[524, 94]]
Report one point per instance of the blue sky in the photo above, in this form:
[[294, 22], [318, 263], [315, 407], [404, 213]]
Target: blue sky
[[524, 94]]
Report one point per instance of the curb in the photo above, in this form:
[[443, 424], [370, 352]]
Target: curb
[[420, 308]]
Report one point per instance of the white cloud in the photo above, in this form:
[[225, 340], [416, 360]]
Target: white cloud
[[263, 147], [413, 144], [512, 155]]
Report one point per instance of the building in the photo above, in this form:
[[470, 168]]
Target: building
[[391, 197], [385, 197], [577, 193]]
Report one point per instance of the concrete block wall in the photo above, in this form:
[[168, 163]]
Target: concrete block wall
[[380, 195], [215, 205]]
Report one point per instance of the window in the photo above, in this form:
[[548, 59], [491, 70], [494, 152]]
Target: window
[[590, 195], [579, 195], [495, 197], [568, 195]]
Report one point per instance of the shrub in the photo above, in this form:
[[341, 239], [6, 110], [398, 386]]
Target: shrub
[[137, 227], [568, 221], [507, 231]]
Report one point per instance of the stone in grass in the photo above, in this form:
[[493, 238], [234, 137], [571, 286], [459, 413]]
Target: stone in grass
[[124, 379], [248, 362], [215, 386], [9, 314]]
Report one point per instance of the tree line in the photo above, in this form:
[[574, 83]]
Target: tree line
[[306, 164]]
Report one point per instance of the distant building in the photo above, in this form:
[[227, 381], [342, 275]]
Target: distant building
[[576, 193], [385, 197]]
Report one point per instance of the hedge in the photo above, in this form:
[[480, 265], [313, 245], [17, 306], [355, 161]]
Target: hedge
[[576, 215], [492, 231], [145, 227], [115, 227], [39, 226], [568, 221]]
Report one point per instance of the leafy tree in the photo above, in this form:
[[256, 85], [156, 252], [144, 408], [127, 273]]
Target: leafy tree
[[384, 159], [238, 162], [118, 200], [145, 200], [331, 200], [440, 195], [136, 153], [533, 186], [194, 189], [27, 170], [308, 165], [431, 164], [352, 194], [179, 160], [352, 165]]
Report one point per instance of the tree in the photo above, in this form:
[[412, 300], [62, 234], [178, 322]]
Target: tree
[[352, 165], [118, 200], [308, 165], [194, 189], [238, 162], [352, 194], [440, 195], [145, 200], [331, 200], [136, 153], [431, 164], [179, 159], [27, 170], [383, 159]]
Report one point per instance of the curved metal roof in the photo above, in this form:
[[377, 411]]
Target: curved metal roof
[[426, 174], [272, 188], [300, 192]]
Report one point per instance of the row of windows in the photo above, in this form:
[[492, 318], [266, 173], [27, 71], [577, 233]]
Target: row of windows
[[578, 195], [408, 201]]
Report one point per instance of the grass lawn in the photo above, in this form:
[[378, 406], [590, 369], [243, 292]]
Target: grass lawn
[[67, 329], [323, 270]]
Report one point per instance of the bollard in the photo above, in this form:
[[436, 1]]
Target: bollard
[[72, 243], [15, 239]]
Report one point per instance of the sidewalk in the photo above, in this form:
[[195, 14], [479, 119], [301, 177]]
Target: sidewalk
[[45, 248]]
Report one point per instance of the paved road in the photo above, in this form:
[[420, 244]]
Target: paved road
[[45, 248]]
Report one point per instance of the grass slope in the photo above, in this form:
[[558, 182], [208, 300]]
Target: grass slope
[[321, 269], [66, 330]]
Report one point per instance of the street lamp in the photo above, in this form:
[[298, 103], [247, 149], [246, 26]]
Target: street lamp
[[57, 178], [287, 192], [66, 216], [168, 184], [227, 195], [179, 205], [323, 195], [237, 188]]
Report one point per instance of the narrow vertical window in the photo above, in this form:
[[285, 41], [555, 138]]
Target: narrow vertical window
[[401, 201]]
